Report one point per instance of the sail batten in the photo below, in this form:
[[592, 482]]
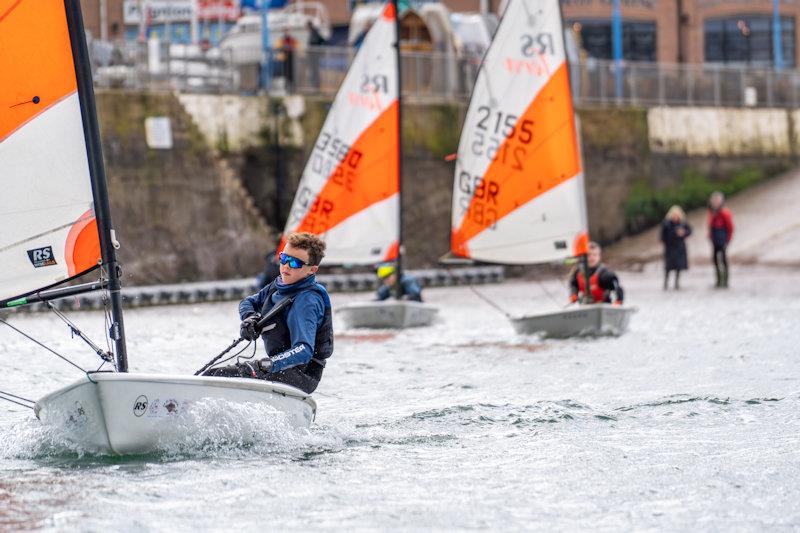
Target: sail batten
[[518, 191], [349, 191], [48, 229]]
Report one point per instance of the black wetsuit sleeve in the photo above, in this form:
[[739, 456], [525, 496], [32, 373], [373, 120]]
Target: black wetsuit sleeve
[[608, 281], [573, 283]]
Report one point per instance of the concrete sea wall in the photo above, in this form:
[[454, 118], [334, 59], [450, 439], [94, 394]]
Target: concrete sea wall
[[210, 207]]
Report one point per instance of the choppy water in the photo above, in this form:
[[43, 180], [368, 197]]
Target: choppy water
[[690, 421]]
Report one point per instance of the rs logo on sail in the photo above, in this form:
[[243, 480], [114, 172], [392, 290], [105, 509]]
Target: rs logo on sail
[[42, 257]]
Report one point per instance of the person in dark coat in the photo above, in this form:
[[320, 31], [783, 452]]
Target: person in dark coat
[[720, 232], [674, 231]]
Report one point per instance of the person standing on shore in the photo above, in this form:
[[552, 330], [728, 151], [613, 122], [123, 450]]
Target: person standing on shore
[[674, 231], [720, 232]]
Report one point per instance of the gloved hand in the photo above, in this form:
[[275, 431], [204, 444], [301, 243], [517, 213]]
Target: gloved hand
[[247, 330], [265, 364], [573, 298], [255, 368]]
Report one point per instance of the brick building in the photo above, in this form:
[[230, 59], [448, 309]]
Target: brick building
[[670, 31]]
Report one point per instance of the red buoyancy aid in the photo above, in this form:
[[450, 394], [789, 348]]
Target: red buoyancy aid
[[599, 295]]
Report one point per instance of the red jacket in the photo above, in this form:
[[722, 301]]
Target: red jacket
[[720, 225]]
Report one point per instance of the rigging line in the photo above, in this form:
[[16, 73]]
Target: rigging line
[[215, 364], [488, 301], [16, 402], [17, 397], [75, 331], [42, 345], [544, 289], [255, 347]]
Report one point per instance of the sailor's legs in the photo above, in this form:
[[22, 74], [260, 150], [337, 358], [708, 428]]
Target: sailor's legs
[[305, 381]]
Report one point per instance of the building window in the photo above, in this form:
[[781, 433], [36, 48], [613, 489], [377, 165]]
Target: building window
[[747, 40], [638, 39]]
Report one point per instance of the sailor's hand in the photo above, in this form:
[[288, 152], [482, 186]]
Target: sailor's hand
[[573, 298], [617, 302], [265, 364], [247, 330]]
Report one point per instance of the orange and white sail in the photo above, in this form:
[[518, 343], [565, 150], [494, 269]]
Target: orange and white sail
[[349, 190], [48, 231], [518, 195]]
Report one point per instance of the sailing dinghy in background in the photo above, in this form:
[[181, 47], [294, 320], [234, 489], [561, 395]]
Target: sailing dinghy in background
[[350, 190], [55, 225], [518, 196]]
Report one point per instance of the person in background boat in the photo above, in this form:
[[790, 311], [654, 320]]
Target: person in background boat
[[674, 231], [302, 337], [602, 281], [720, 232], [271, 270], [387, 274]]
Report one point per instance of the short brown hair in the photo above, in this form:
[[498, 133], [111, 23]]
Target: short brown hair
[[310, 243]]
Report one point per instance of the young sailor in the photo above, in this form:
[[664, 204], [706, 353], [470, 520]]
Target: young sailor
[[300, 338], [387, 274], [602, 281]]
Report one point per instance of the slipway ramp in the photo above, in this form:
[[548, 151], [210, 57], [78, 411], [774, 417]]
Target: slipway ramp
[[766, 221]]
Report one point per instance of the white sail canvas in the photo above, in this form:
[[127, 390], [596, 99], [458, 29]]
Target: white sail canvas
[[48, 231], [349, 190], [518, 192]]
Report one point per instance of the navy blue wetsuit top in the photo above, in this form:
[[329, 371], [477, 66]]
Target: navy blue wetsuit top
[[304, 318], [410, 285]]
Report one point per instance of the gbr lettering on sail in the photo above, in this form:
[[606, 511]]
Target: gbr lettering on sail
[[518, 143]]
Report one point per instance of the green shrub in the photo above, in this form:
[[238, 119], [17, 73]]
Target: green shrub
[[646, 206]]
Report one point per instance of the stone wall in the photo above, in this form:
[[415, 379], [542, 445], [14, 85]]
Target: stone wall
[[179, 214], [621, 147]]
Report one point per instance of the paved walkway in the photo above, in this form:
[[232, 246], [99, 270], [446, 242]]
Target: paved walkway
[[766, 229]]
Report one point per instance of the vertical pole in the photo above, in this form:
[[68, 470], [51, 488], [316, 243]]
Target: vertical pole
[[277, 110], [103, 20], [102, 210], [776, 35], [195, 29], [266, 46], [587, 289], [398, 284], [616, 41]]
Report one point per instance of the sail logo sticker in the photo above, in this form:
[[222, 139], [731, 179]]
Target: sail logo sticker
[[140, 405], [42, 257]]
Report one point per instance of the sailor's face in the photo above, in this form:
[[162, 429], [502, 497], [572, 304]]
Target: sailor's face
[[291, 275], [390, 280], [593, 256]]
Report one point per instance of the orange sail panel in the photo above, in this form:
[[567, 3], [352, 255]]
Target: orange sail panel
[[47, 228], [349, 191], [518, 190]]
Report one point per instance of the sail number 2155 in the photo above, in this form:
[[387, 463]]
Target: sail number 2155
[[495, 134]]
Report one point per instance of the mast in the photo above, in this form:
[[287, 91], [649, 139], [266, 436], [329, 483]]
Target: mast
[[583, 258], [398, 285], [102, 210]]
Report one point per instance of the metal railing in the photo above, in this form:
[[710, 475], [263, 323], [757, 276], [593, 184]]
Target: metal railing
[[437, 76]]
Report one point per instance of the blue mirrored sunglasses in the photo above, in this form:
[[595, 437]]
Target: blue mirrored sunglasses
[[292, 261]]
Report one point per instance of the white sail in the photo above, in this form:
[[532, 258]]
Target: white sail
[[48, 231], [518, 193], [349, 190]]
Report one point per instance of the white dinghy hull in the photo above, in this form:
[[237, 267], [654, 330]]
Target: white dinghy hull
[[387, 314], [122, 413], [588, 320]]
